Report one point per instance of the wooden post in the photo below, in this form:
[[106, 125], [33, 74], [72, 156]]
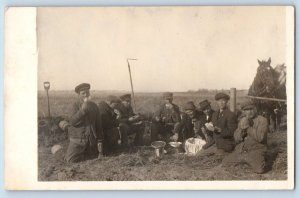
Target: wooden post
[[233, 99]]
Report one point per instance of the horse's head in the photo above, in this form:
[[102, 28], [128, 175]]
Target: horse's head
[[280, 68], [280, 72], [265, 74], [280, 78]]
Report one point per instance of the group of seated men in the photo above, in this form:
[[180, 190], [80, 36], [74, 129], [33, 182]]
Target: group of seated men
[[99, 129]]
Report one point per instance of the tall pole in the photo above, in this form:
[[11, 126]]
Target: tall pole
[[132, 92], [49, 115], [233, 99], [47, 87]]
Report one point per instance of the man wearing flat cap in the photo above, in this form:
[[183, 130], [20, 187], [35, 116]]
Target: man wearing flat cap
[[130, 123], [110, 124], [251, 139], [166, 121], [205, 107], [85, 130], [193, 123], [223, 125]]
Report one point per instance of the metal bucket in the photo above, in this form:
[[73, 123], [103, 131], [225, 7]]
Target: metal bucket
[[43, 126], [176, 147], [158, 148]]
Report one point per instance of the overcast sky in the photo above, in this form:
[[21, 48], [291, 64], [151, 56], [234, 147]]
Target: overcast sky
[[178, 48]]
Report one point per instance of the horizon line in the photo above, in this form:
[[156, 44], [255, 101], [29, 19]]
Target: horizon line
[[144, 91]]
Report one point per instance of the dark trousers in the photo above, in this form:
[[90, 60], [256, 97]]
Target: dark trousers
[[227, 144], [80, 149], [110, 141], [164, 130], [130, 129]]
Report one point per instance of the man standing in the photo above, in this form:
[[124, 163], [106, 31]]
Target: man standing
[[85, 130], [251, 137], [205, 107], [223, 125], [130, 123], [166, 120], [110, 124]]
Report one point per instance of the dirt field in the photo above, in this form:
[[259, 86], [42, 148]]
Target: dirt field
[[139, 163]]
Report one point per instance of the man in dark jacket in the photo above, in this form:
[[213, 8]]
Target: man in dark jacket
[[130, 123], [251, 137], [110, 124], [223, 125], [204, 106], [166, 121], [192, 123], [85, 130]]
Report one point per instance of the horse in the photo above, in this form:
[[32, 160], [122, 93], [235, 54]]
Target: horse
[[269, 82]]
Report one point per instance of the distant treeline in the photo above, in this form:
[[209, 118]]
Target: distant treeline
[[214, 90]]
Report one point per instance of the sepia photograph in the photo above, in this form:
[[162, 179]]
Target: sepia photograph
[[163, 94]]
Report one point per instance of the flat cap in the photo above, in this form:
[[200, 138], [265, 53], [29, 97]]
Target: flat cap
[[204, 104], [247, 105], [126, 97], [189, 106], [82, 86], [167, 95], [221, 96], [113, 99]]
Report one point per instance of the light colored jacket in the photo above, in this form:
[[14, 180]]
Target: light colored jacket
[[255, 133]]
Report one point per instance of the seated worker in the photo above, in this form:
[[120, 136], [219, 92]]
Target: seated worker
[[129, 122], [251, 137], [193, 123], [85, 129], [204, 106], [110, 124], [223, 124], [166, 121]]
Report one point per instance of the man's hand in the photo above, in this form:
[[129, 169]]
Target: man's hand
[[133, 118], [169, 106], [174, 137], [210, 126], [84, 107], [118, 113]]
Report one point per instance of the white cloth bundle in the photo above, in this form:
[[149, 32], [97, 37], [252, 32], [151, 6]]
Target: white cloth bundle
[[193, 145]]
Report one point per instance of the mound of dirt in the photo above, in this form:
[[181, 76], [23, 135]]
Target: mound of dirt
[[140, 164]]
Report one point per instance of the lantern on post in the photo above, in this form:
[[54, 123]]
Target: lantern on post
[[47, 87]]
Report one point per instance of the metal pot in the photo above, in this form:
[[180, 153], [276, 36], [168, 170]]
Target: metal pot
[[176, 147], [158, 148], [43, 126]]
